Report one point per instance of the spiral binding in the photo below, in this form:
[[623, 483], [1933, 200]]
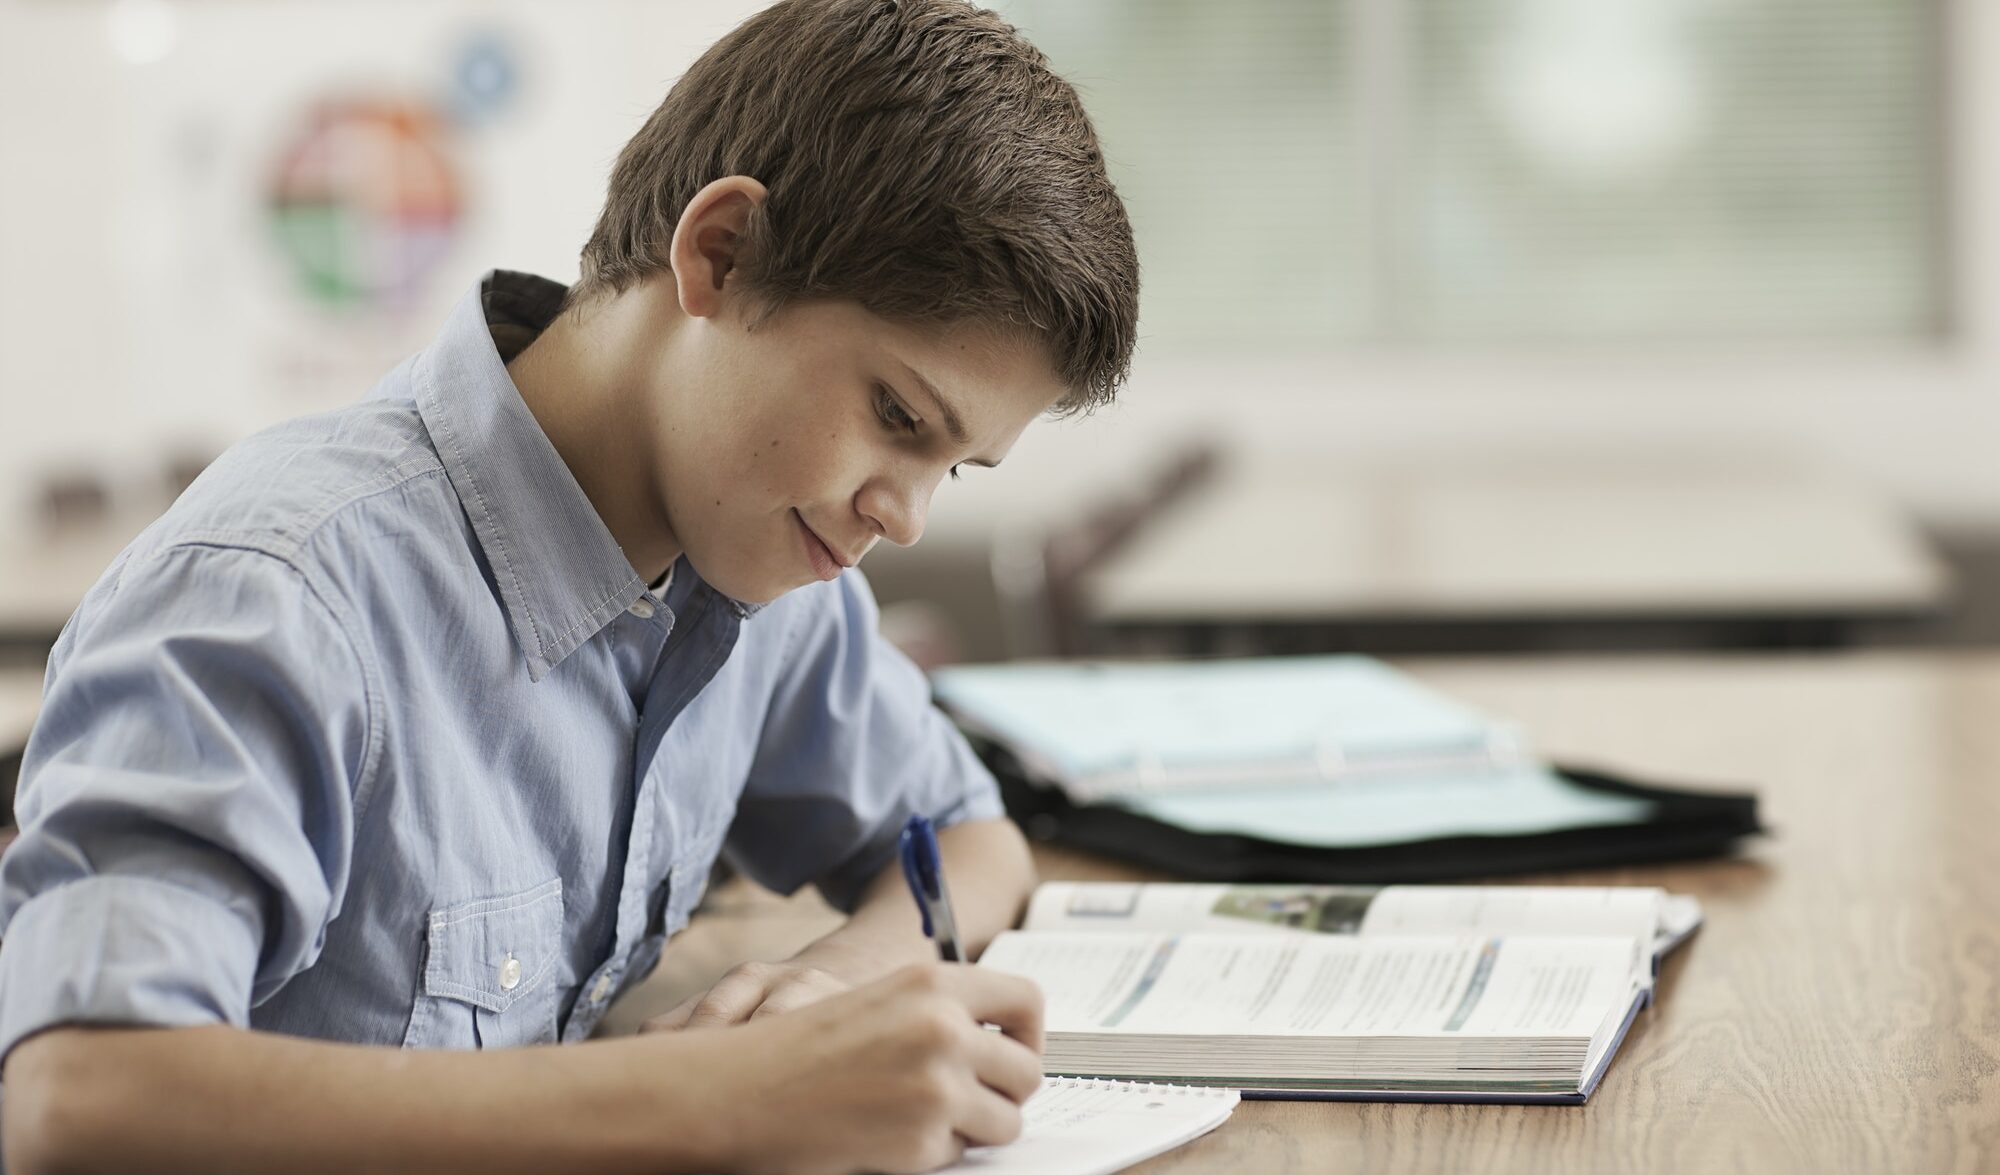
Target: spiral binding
[[1119, 1085]]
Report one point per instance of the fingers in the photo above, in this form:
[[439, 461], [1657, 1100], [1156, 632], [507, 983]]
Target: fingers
[[919, 1074], [985, 1118], [748, 992], [996, 1071], [1005, 1065], [1007, 1073], [995, 997], [797, 989], [731, 1001]]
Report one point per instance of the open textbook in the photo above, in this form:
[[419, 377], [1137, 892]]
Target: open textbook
[[1403, 993]]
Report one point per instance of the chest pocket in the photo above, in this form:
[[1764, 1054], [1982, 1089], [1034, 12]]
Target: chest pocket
[[492, 971]]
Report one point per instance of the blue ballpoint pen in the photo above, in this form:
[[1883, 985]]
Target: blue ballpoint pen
[[923, 868]]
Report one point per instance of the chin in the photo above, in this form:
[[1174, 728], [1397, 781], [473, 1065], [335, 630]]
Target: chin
[[763, 597], [744, 587]]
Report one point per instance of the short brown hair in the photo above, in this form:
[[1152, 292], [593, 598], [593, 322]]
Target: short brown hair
[[921, 159]]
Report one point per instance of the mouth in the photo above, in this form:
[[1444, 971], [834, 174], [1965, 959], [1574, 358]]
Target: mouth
[[826, 564]]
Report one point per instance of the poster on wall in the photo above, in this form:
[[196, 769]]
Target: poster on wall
[[218, 216]]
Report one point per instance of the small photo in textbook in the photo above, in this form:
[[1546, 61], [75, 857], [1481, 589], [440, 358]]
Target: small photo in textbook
[[1325, 909]]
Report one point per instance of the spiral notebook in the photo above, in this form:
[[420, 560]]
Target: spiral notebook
[[1084, 1126]]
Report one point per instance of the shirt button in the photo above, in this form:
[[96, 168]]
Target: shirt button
[[642, 608], [601, 989], [510, 974]]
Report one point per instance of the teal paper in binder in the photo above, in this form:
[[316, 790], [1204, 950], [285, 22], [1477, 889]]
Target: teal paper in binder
[[1330, 769]]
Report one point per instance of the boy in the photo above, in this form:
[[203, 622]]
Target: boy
[[379, 737]]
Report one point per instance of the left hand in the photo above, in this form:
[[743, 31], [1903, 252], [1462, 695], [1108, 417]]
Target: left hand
[[753, 990]]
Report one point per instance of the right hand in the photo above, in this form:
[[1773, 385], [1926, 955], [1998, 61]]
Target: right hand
[[896, 1076]]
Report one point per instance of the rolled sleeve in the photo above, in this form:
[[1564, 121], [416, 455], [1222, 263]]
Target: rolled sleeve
[[123, 950], [852, 746], [186, 798]]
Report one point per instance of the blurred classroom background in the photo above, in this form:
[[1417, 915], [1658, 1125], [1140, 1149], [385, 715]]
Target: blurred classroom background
[[1468, 325]]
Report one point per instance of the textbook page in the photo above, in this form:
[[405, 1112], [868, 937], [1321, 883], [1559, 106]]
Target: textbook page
[[1082, 1126], [1322, 985], [1635, 912]]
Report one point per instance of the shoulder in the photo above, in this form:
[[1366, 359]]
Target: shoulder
[[275, 536], [275, 492]]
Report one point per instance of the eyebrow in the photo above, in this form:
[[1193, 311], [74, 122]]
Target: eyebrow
[[952, 423]]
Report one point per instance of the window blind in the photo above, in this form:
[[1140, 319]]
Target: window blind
[[1311, 172]]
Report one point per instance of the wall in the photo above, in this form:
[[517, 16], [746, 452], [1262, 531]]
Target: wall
[[132, 319]]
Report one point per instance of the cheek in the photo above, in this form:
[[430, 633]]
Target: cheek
[[808, 460]]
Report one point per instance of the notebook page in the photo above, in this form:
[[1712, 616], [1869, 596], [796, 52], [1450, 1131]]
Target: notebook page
[[1082, 1126]]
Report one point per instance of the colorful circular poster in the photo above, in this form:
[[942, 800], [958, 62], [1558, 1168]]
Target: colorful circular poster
[[365, 202]]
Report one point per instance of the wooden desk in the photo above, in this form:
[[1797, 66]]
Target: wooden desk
[[1839, 1012], [1501, 557]]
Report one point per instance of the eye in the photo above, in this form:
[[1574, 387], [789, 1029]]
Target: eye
[[891, 412], [954, 473]]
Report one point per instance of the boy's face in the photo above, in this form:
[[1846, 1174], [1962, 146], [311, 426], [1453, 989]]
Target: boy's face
[[782, 453]]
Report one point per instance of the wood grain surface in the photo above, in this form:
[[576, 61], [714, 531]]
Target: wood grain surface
[[1840, 1011]]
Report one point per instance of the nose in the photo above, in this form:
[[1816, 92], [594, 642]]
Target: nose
[[896, 507]]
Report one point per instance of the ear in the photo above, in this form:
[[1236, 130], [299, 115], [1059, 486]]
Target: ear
[[707, 240]]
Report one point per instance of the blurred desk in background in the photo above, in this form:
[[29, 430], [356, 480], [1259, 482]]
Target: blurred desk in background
[[1482, 557], [48, 570], [1836, 1013], [20, 701]]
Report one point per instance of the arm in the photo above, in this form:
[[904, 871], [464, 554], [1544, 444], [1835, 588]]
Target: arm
[[185, 800], [917, 1078], [989, 873]]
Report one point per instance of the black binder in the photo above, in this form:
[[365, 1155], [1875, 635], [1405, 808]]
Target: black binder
[[1685, 824]]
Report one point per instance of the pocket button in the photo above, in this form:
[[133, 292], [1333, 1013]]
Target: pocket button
[[510, 974]]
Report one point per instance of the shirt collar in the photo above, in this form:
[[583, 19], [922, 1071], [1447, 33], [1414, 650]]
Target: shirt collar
[[560, 574]]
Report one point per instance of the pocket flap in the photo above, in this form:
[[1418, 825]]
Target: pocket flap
[[493, 951]]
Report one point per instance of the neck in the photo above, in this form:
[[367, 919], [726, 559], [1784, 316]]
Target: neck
[[583, 378]]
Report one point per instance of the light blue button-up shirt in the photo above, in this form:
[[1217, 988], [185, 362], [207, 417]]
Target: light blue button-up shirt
[[377, 736]]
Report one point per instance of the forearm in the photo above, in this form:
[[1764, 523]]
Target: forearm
[[990, 874], [224, 1099]]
